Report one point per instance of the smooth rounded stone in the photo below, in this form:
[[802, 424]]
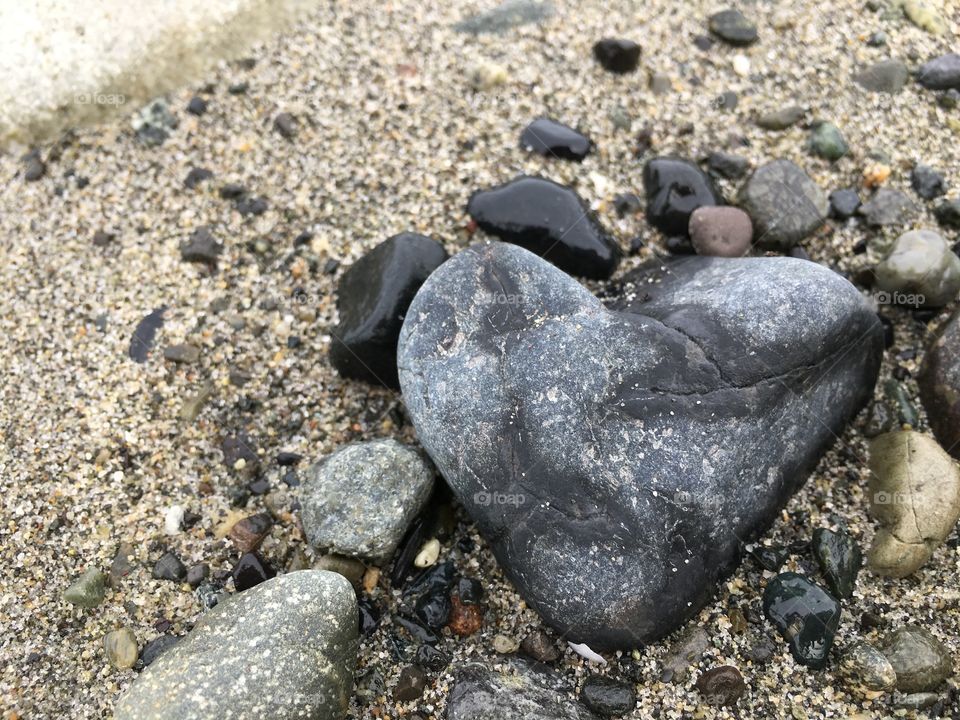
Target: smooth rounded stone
[[839, 558], [886, 76], [770, 557], [733, 28], [360, 500], [806, 615], [197, 106], [721, 231], [353, 570], [920, 661], [286, 125], [906, 412], [927, 182], [182, 353], [508, 14], [721, 686], [844, 203], [781, 118], [121, 649], [948, 213], [372, 297], [284, 649], [920, 263], [169, 567], [866, 671], [505, 645], [922, 14], [411, 684], [548, 137], [674, 189], [607, 696], [617, 55], [915, 499], [247, 533], [686, 651], [196, 574], [939, 382], [479, 693], [886, 207], [726, 165], [613, 541], [88, 590], [201, 247], [540, 646], [549, 219], [784, 204], [827, 141], [941, 73], [431, 659]]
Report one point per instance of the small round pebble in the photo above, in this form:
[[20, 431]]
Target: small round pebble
[[721, 231], [721, 686], [607, 696], [121, 648]]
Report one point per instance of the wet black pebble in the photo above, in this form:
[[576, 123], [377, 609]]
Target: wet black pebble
[[369, 615], [251, 570], [431, 658], [552, 139], [726, 165], [617, 55], [197, 106], [839, 558], [806, 615], [844, 203], [433, 609], [169, 567], [144, 334], [608, 697], [197, 574], [196, 176], [201, 247], [675, 188], [286, 125], [410, 684]]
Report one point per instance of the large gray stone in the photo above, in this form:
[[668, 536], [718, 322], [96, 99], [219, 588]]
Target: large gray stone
[[360, 500], [616, 459], [784, 204], [286, 648], [921, 269]]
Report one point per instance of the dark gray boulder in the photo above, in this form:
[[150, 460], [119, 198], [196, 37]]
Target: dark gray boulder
[[616, 459]]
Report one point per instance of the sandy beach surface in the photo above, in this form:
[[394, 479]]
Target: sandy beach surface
[[395, 128]]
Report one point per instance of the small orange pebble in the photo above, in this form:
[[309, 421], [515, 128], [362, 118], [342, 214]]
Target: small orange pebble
[[464, 619], [875, 175]]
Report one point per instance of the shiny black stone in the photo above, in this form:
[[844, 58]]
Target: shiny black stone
[[433, 579], [143, 335], [285, 459], [548, 137], [675, 188], [169, 567], [369, 615], [416, 630], [251, 570], [617, 55], [469, 591], [839, 558], [806, 615], [407, 553], [433, 609], [155, 648], [550, 220], [372, 297], [431, 658], [770, 557]]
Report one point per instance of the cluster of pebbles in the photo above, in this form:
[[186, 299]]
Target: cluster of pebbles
[[209, 474]]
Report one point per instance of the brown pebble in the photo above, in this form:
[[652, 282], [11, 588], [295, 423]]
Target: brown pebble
[[721, 231], [248, 533], [540, 647], [721, 685], [464, 619]]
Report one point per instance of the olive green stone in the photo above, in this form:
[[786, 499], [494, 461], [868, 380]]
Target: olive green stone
[[924, 16], [87, 590], [827, 141], [781, 119], [121, 648], [920, 661]]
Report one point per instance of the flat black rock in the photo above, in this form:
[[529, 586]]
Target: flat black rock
[[941, 73], [617, 459], [548, 137], [733, 28], [617, 55], [806, 615], [675, 188], [372, 298], [550, 220]]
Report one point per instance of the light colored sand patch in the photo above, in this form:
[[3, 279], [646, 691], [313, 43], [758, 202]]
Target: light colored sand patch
[[65, 62]]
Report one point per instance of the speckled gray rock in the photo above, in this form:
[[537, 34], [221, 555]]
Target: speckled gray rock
[[920, 661], [866, 671], [784, 203], [887, 207], [615, 458], [360, 500], [479, 693], [923, 265], [286, 648], [886, 76]]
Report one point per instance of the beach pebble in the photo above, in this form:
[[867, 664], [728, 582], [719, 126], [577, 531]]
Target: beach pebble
[[721, 231], [486, 75], [547, 137], [465, 619], [948, 213], [286, 125], [508, 14], [121, 649], [505, 645], [741, 65], [182, 353], [196, 176], [196, 574], [721, 686], [866, 671], [197, 106], [925, 16], [247, 533], [806, 615], [173, 520], [684, 652], [201, 247], [844, 203], [548, 219], [916, 701], [839, 558], [784, 204], [921, 263], [251, 570], [88, 590], [607, 697], [154, 122], [169, 567], [410, 684], [726, 165], [886, 76], [887, 207], [542, 351], [915, 498], [360, 500], [617, 55], [372, 298], [782, 118], [733, 28], [939, 382], [479, 693], [941, 73], [927, 182], [920, 661], [34, 168], [761, 650], [827, 141], [285, 649], [675, 188], [540, 646]]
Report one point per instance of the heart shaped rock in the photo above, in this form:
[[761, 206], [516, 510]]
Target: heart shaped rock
[[617, 458]]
